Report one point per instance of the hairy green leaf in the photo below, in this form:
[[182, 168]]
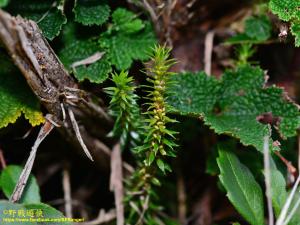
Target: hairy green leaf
[[51, 24], [128, 39], [9, 178], [91, 12], [48, 14], [76, 51], [234, 104], [198, 94], [242, 189], [16, 97], [285, 9]]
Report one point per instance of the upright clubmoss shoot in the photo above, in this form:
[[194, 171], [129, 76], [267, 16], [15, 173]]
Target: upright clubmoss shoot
[[159, 141], [124, 107]]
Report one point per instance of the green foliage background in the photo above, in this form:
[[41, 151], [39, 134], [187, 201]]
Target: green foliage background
[[147, 110]]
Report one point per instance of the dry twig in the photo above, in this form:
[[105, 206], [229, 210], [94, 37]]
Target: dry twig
[[102, 218], [2, 160], [18, 191], [116, 182], [67, 192], [267, 173], [208, 48]]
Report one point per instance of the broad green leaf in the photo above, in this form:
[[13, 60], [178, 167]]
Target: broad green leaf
[[9, 178], [232, 105], [3, 3], [10, 211], [279, 193], [16, 97], [48, 213], [128, 39], [242, 189], [211, 166], [295, 220], [48, 14], [258, 28], [76, 51], [91, 12], [37, 214]]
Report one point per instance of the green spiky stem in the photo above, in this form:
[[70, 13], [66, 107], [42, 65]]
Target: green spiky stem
[[158, 143]]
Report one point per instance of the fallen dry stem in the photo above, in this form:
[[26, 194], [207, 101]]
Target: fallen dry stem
[[19, 188]]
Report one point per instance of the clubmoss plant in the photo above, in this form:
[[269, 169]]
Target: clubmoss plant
[[159, 139], [152, 125], [124, 107], [158, 142]]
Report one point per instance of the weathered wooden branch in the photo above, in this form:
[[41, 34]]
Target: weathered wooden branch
[[53, 86]]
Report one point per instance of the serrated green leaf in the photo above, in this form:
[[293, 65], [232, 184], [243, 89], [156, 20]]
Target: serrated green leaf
[[232, 105], [16, 97], [9, 178], [29, 214], [127, 39], [295, 29], [3, 3], [52, 23], [242, 189], [288, 10], [285, 9], [76, 51], [48, 14], [91, 12], [245, 128], [126, 21]]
